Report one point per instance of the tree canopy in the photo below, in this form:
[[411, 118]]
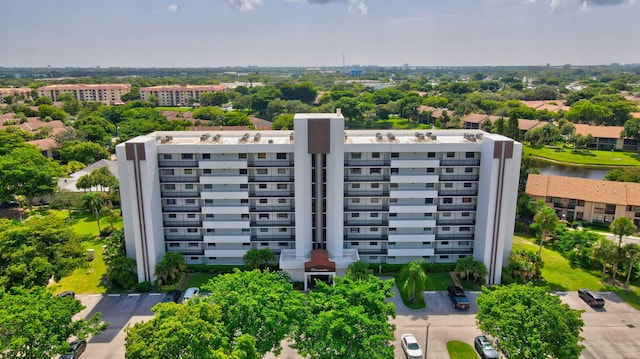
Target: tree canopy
[[529, 322]]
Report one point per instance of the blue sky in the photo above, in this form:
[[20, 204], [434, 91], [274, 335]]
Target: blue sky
[[212, 33]]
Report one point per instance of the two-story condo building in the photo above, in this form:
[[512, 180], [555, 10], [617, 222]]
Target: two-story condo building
[[319, 196]]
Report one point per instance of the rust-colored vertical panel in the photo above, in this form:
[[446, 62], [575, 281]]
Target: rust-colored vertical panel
[[319, 135], [142, 155], [130, 150], [497, 149], [508, 149]]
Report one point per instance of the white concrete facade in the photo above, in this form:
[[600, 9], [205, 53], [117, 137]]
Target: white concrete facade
[[371, 195]]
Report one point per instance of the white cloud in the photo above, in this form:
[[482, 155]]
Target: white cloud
[[245, 4], [173, 8]]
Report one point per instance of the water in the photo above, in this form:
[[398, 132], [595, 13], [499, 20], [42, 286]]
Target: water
[[554, 169]]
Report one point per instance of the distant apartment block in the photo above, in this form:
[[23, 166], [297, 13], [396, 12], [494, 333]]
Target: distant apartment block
[[176, 95], [320, 197], [587, 199], [109, 94], [24, 92]]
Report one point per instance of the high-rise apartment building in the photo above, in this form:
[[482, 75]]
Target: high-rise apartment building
[[109, 94], [177, 95], [319, 196]]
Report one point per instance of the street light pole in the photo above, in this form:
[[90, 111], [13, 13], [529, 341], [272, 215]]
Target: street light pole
[[426, 341]]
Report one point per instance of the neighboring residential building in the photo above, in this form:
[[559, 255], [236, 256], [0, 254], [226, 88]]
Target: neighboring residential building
[[550, 105], [48, 147], [587, 199], [606, 137], [376, 196], [69, 184], [23, 92], [178, 95], [109, 94]]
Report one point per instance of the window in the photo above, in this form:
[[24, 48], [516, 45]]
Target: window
[[375, 155], [209, 216], [354, 244], [448, 185], [451, 154], [394, 171], [463, 243], [281, 156], [244, 185], [262, 186], [206, 156], [428, 200], [283, 216], [192, 230], [465, 229], [166, 156], [393, 185], [245, 216], [446, 214], [282, 186], [188, 171], [430, 185], [263, 200], [470, 155], [468, 170], [393, 215], [447, 200], [188, 186], [355, 215], [208, 186], [170, 187], [242, 155], [374, 215], [375, 185], [374, 229], [395, 155], [446, 229], [431, 155], [445, 243], [263, 230], [190, 201], [187, 156], [283, 244], [580, 202], [355, 186], [206, 171], [375, 200], [356, 155], [192, 245], [262, 155], [431, 170], [449, 170], [264, 216], [465, 214], [282, 229], [282, 200], [356, 171], [171, 201], [167, 171], [375, 171], [261, 171], [373, 243], [354, 230], [282, 171], [173, 230], [466, 200], [355, 200], [174, 245], [244, 201], [467, 185]]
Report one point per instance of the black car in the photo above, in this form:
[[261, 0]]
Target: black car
[[76, 349], [458, 297], [68, 293], [592, 298], [172, 296]]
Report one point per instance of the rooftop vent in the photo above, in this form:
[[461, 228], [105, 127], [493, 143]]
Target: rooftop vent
[[244, 138], [378, 137], [256, 138], [291, 136], [270, 141], [205, 137], [217, 137], [391, 136]]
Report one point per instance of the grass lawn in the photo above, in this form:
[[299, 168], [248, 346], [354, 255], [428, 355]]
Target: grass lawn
[[438, 281], [460, 350], [198, 279], [585, 157], [558, 275]]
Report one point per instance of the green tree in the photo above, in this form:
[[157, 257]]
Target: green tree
[[26, 172], [470, 268], [10, 141], [283, 122], [525, 265], [605, 251], [415, 277], [36, 324], [261, 304], [546, 219], [622, 226], [259, 259], [631, 174], [632, 130], [93, 202], [304, 92], [632, 255], [84, 152], [359, 271], [214, 98], [347, 320], [529, 322], [121, 272], [169, 270], [193, 330], [51, 111], [584, 111], [37, 249]]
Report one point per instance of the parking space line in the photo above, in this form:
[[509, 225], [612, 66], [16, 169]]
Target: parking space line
[[155, 293], [113, 295], [134, 294]]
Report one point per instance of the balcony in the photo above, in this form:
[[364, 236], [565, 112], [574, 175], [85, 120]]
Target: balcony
[[413, 193], [355, 222], [223, 164], [171, 209], [413, 178], [453, 193], [418, 237], [272, 238], [226, 224], [459, 177], [266, 178], [366, 163], [410, 252], [358, 193], [240, 238], [454, 251], [179, 194], [411, 223], [237, 209], [258, 208], [258, 194], [412, 208], [454, 237], [456, 207], [366, 178], [268, 223], [356, 237], [182, 238], [466, 162], [186, 163], [371, 208], [277, 163], [415, 163], [455, 222], [191, 224], [227, 179], [178, 179], [225, 194], [226, 253]]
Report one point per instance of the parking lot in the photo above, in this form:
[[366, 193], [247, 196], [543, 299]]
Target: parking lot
[[609, 332]]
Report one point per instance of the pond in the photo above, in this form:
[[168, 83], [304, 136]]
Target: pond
[[555, 169]]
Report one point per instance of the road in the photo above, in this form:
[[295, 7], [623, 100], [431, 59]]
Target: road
[[609, 332]]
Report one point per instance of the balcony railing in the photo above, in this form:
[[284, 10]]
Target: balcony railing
[[272, 193], [267, 178], [354, 193], [179, 194], [178, 179], [182, 223], [366, 163], [459, 177], [454, 237], [186, 163], [183, 238], [456, 207], [453, 251], [444, 192], [169, 209], [267, 223], [271, 209], [467, 162], [277, 163], [445, 222], [366, 178], [361, 222]]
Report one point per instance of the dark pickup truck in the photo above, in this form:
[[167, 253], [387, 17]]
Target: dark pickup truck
[[458, 297]]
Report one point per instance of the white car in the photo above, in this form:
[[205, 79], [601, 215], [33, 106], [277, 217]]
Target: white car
[[190, 293], [411, 347]]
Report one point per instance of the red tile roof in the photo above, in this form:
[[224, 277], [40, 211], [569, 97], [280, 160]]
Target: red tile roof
[[600, 191], [599, 131]]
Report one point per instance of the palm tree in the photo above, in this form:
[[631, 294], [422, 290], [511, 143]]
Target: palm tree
[[621, 227], [632, 252], [110, 213], [605, 251], [468, 267], [415, 276], [359, 271], [92, 201], [525, 264], [546, 219]]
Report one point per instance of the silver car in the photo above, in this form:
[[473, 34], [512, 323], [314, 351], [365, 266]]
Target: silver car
[[485, 348]]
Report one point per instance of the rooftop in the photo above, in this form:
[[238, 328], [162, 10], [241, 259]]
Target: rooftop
[[599, 191]]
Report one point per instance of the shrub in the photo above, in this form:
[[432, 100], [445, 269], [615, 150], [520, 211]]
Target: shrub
[[214, 269], [144, 287]]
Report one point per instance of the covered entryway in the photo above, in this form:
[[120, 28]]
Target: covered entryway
[[319, 267]]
